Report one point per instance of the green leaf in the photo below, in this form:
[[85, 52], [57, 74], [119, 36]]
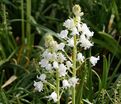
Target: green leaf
[[106, 41], [6, 60]]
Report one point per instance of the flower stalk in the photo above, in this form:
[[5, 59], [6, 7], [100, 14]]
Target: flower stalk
[[28, 26], [74, 68], [22, 22], [58, 86]]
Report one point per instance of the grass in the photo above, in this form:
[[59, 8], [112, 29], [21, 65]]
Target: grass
[[23, 25]]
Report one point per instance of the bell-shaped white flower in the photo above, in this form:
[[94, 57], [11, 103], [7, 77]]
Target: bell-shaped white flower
[[73, 81], [61, 46], [53, 97], [46, 54], [94, 60], [48, 67], [79, 28], [44, 62], [74, 31], [86, 31], [53, 57], [69, 23], [61, 58], [55, 65], [70, 42], [68, 64], [80, 57], [65, 84], [42, 77], [63, 34], [62, 70], [85, 43], [38, 86]]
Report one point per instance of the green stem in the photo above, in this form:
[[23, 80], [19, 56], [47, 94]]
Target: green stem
[[28, 25], [74, 68], [90, 83], [7, 36], [4, 18], [22, 22], [58, 86]]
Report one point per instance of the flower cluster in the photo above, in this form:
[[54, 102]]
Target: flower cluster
[[55, 60], [75, 27]]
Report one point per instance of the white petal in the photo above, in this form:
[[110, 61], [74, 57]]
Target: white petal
[[65, 84], [63, 34], [61, 58], [85, 43], [73, 81], [53, 96], [74, 31], [55, 65], [62, 70], [48, 67], [71, 42], [38, 86], [69, 23], [80, 57], [68, 64], [43, 62], [61, 46], [42, 77], [86, 31], [94, 60]]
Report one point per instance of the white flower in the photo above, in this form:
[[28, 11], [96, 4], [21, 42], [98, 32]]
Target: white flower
[[69, 23], [53, 57], [47, 55], [62, 70], [63, 34], [55, 65], [71, 42], [61, 46], [68, 64], [61, 58], [44, 62], [86, 31], [65, 84], [74, 31], [79, 27], [53, 96], [48, 67], [73, 81], [85, 42], [80, 57], [94, 60], [42, 77], [38, 86]]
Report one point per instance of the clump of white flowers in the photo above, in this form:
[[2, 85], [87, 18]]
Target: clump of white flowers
[[55, 59]]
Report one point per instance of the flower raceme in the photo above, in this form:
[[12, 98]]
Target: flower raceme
[[54, 60]]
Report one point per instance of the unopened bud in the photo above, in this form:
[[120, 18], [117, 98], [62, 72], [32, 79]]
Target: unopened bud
[[48, 40], [76, 10]]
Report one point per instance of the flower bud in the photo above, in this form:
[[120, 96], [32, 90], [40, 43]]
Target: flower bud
[[48, 40], [50, 43], [76, 10]]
